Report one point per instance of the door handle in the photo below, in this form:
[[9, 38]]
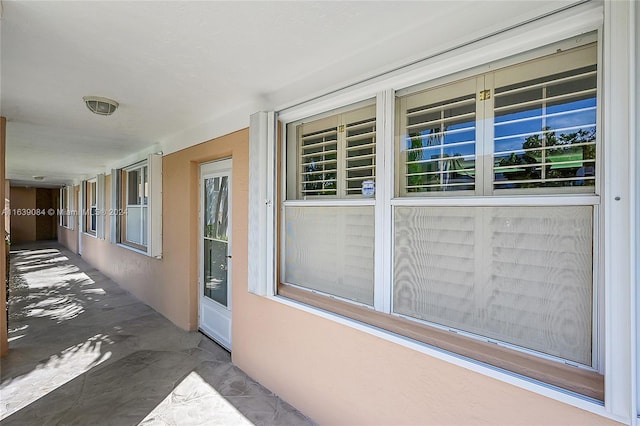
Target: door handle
[[229, 256]]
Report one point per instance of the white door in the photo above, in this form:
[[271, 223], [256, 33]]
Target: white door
[[215, 251]]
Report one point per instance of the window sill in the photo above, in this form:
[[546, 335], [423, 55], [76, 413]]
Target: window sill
[[133, 249], [573, 379]]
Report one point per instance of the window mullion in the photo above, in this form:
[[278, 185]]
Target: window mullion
[[543, 153], [485, 116], [383, 253], [341, 172]]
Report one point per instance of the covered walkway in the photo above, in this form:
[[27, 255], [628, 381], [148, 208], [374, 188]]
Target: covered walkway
[[84, 351]]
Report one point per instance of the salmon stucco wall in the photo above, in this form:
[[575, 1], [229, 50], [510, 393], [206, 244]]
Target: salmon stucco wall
[[338, 375], [170, 285]]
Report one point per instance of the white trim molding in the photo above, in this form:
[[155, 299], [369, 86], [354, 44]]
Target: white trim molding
[[262, 201], [620, 194]]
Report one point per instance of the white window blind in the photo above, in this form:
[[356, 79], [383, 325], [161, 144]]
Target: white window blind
[[330, 249], [319, 162], [438, 147], [519, 275], [360, 154], [331, 157], [545, 128]]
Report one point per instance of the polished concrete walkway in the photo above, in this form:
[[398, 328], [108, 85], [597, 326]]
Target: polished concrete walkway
[[83, 351]]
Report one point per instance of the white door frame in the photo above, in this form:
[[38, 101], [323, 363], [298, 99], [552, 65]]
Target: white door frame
[[214, 319]]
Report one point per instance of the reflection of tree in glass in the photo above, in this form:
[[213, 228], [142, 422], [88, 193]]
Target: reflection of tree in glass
[[318, 178], [424, 173], [569, 149], [217, 205], [414, 154]]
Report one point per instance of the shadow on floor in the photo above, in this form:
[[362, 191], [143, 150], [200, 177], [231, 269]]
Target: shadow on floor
[[84, 351]]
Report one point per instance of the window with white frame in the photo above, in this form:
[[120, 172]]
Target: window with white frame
[[91, 205], [136, 193], [135, 204], [331, 160], [494, 216], [519, 274], [66, 207]]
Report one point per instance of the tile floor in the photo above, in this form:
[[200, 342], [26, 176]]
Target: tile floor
[[83, 351]]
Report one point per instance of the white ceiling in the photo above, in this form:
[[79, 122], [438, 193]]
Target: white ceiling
[[187, 71]]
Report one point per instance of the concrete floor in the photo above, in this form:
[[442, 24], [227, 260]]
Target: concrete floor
[[83, 351]]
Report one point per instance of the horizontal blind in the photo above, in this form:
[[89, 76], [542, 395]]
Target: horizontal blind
[[545, 126], [319, 162], [330, 249], [434, 265], [438, 139], [335, 154], [360, 154], [519, 275]]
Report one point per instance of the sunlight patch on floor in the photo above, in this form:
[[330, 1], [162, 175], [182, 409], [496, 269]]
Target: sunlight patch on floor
[[194, 401], [50, 375]]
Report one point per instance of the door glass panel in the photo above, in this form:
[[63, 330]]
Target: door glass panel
[[216, 198], [215, 270]]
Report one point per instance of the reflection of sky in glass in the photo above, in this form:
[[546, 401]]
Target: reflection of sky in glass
[[461, 125], [534, 112], [467, 149], [561, 107], [573, 119], [573, 116], [529, 125]]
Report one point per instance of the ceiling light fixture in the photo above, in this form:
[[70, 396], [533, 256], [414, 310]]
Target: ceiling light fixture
[[100, 106]]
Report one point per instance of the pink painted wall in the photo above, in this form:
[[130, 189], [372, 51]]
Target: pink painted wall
[[341, 376], [170, 285]]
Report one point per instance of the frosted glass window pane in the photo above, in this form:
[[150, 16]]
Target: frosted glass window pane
[[136, 232], [330, 249], [521, 275], [215, 270], [133, 186]]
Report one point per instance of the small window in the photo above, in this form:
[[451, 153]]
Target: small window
[[136, 200], [66, 207], [91, 200], [136, 192]]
